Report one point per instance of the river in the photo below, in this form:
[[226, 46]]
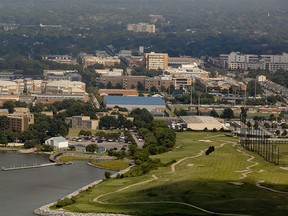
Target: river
[[22, 191]]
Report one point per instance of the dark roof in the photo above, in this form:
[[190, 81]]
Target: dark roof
[[132, 100]]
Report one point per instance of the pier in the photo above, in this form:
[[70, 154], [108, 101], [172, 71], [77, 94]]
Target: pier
[[33, 166]]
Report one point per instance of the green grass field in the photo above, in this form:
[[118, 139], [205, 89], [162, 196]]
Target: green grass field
[[197, 184], [112, 164]]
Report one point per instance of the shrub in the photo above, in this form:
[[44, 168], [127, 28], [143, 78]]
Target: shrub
[[210, 150], [65, 202], [108, 175]]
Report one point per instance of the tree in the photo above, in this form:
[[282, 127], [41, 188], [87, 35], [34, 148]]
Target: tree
[[251, 88], [249, 124], [9, 105], [214, 114], [267, 125], [243, 115], [108, 122], [256, 125], [47, 148], [272, 117], [118, 86], [4, 124], [180, 112], [227, 113], [153, 89], [31, 143], [109, 85], [92, 148], [85, 133], [3, 138], [140, 86]]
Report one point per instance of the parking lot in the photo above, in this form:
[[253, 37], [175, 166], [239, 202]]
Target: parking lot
[[107, 145]]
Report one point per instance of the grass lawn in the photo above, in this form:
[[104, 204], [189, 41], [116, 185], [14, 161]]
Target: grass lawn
[[283, 159], [208, 182], [73, 158], [112, 164]]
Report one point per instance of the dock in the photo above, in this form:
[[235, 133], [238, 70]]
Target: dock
[[33, 166]]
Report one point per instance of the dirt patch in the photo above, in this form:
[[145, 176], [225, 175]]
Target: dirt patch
[[207, 141]]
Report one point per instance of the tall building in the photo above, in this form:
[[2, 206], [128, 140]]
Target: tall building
[[141, 27], [82, 122], [156, 61], [21, 119]]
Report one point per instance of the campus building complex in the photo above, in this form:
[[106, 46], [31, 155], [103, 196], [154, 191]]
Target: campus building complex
[[236, 60]]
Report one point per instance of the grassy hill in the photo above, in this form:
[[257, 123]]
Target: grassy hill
[[224, 182]]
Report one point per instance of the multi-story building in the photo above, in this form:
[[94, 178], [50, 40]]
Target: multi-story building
[[236, 60], [130, 82], [82, 122], [21, 119], [141, 27], [71, 75], [8, 88], [156, 61], [30, 90], [88, 60], [184, 60], [63, 59], [108, 72], [63, 86]]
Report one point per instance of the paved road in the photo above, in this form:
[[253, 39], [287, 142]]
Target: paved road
[[139, 144]]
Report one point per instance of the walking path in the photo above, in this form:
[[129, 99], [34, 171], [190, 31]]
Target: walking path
[[154, 177], [244, 174], [247, 170]]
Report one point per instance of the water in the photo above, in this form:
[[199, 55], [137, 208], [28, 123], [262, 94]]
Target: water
[[22, 191]]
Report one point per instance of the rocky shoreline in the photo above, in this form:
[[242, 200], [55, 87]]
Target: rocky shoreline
[[46, 211]]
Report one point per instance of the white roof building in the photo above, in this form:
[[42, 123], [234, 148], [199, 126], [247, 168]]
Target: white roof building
[[201, 122], [57, 142]]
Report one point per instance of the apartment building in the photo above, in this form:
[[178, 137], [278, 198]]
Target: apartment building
[[62, 59], [106, 61], [70, 75], [21, 119], [141, 27], [8, 87], [63, 86], [155, 61], [108, 72], [236, 60], [133, 82]]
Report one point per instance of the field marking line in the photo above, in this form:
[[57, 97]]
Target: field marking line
[[125, 188], [180, 203], [173, 170], [247, 170], [208, 137], [258, 184]]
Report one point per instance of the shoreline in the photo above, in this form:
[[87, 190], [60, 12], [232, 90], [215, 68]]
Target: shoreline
[[46, 211]]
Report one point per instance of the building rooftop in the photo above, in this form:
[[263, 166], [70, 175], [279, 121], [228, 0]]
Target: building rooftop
[[59, 139], [200, 120], [123, 100]]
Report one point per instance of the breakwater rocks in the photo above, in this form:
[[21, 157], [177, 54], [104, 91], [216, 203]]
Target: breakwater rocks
[[46, 211]]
